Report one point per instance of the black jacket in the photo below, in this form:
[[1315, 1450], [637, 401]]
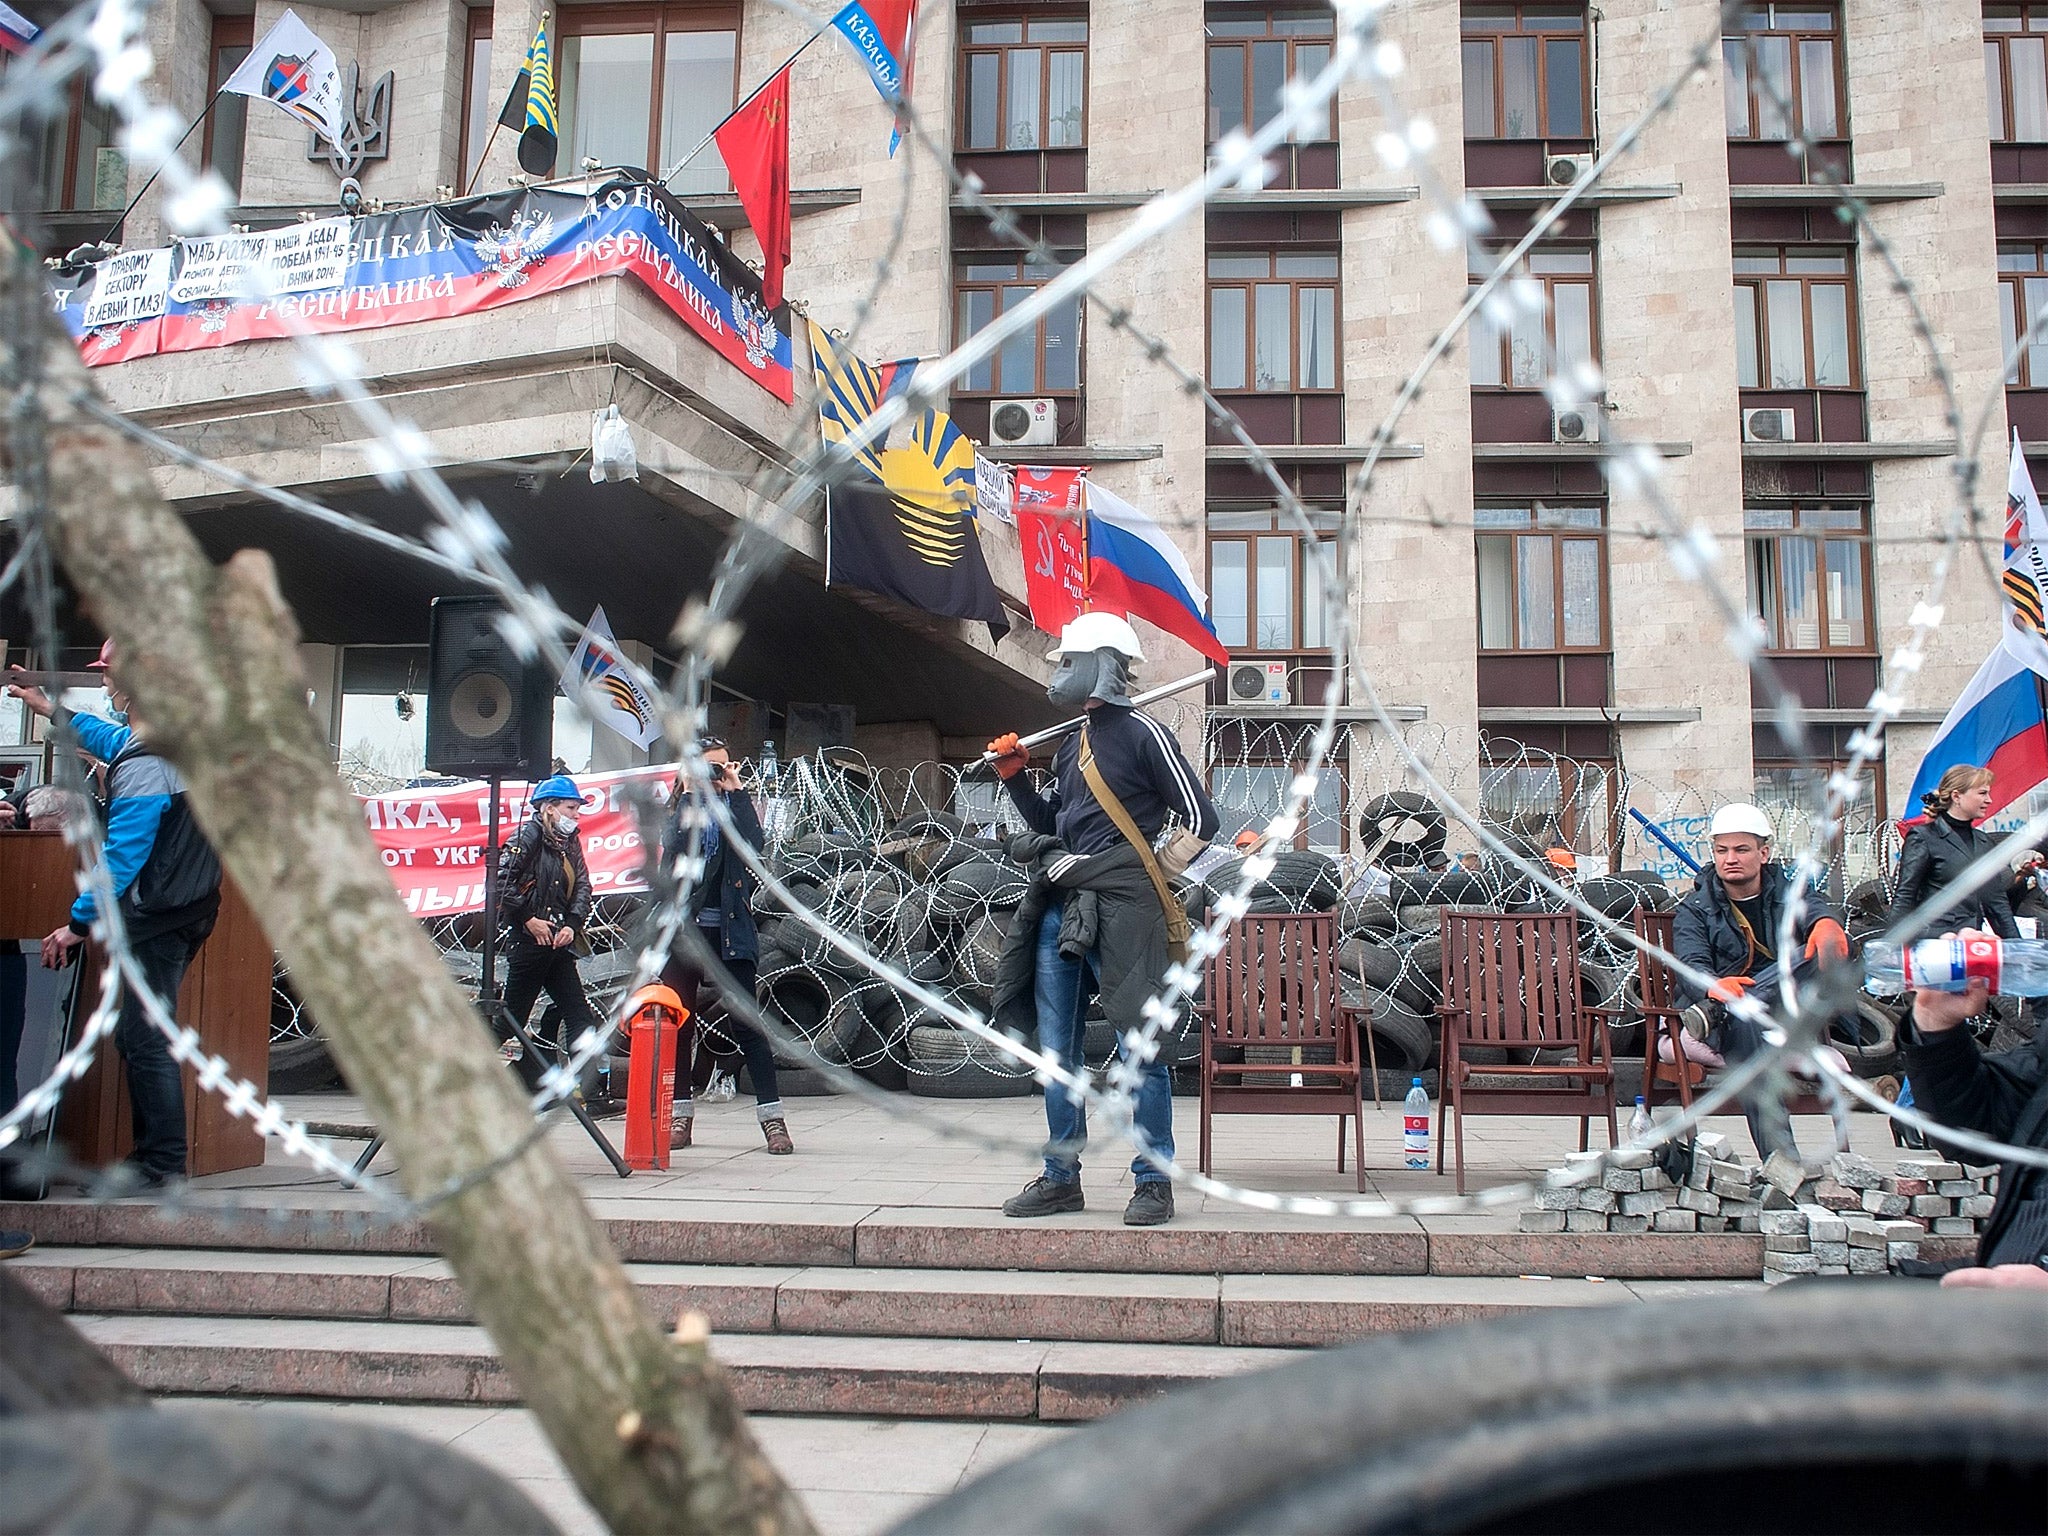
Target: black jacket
[[1705, 935], [1140, 761], [736, 882], [1936, 853], [1107, 906], [2003, 1096], [539, 877]]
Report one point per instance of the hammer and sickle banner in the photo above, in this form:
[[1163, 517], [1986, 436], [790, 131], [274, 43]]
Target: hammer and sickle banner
[[1053, 535]]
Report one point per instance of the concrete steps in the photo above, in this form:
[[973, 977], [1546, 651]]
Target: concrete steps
[[1058, 1306]]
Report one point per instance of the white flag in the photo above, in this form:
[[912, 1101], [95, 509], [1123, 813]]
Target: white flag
[[992, 490], [294, 69], [2026, 566], [596, 679]]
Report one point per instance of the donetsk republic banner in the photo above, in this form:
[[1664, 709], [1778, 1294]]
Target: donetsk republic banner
[[427, 263], [433, 840]]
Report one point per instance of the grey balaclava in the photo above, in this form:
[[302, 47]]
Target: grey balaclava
[[1103, 674]]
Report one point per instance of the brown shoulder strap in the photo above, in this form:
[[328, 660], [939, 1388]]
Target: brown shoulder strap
[[1176, 915]]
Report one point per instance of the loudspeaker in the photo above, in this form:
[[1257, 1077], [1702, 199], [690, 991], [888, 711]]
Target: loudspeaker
[[488, 713]]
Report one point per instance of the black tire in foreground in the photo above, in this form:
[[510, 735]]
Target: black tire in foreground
[[231, 1471], [1753, 1413]]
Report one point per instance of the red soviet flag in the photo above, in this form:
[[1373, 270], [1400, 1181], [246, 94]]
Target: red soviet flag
[[755, 144], [1055, 544]]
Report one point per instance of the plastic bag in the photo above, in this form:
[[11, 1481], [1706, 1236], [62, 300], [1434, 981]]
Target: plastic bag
[[611, 448]]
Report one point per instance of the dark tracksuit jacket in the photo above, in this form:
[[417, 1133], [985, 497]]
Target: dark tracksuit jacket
[[1705, 935], [1082, 861]]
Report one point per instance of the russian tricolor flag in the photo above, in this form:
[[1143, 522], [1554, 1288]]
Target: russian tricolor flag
[[1998, 722], [16, 30], [1136, 570]]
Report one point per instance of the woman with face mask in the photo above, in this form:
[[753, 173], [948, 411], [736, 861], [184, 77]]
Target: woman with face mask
[[544, 898]]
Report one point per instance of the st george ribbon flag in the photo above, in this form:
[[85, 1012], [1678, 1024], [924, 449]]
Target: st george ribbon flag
[[293, 69], [597, 680], [1998, 722]]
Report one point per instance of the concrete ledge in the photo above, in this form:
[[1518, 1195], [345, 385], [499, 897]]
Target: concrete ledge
[[1604, 192], [1930, 449], [1099, 1241], [1791, 194], [1310, 453], [1088, 1381], [1615, 1256]]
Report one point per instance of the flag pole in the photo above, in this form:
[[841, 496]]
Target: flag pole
[[745, 101], [189, 129], [496, 128]]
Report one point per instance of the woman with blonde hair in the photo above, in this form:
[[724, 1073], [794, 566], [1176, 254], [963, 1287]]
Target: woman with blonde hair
[[1942, 847]]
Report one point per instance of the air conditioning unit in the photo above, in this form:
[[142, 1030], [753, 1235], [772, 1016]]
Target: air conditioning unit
[[1580, 424], [1023, 423], [1769, 424], [1258, 682], [1564, 170]]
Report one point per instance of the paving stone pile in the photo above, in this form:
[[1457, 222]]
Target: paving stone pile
[[1849, 1218]]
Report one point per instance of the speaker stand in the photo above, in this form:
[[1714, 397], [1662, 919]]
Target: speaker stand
[[494, 1006]]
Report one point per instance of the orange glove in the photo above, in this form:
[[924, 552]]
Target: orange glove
[[1011, 759], [1828, 941], [1729, 988]]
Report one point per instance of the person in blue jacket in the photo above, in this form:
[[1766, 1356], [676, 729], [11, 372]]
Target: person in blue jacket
[[166, 880]]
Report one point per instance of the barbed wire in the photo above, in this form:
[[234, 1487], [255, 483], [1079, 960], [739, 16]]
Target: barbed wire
[[466, 540]]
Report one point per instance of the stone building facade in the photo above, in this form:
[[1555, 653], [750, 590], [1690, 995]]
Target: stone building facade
[[1503, 586]]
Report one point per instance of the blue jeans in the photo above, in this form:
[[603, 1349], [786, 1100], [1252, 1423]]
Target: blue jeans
[[1062, 1008]]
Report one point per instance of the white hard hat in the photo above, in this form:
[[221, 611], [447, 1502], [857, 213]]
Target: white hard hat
[[1731, 819], [1097, 632]]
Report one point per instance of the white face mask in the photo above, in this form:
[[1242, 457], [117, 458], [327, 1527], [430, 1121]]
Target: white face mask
[[565, 823]]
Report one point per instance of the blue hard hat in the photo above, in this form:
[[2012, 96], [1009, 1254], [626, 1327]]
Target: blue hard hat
[[560, 787]]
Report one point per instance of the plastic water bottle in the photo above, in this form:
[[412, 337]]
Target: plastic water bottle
[[769, 769], [1415, 1126], [2012, 967], [1639, 1122]]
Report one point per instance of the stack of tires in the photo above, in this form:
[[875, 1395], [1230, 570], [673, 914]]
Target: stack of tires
[[933, 901]]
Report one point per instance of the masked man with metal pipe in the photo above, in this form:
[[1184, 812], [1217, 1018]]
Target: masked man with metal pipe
[[1100, 914]]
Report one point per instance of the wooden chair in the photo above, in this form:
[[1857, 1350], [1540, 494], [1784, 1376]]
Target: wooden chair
[[1512, 981], [1275, 984], [1658, 1004]]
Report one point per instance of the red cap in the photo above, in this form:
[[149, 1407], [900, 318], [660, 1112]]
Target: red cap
[[105, 658]]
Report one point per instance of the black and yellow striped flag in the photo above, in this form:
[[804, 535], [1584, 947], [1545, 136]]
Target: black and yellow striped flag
[[530, 107]]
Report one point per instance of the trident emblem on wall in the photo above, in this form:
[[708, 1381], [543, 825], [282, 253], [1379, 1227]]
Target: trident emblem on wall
[[365, 134]]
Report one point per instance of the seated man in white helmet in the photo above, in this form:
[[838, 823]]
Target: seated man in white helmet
[[1098, 905], [1729, 928]]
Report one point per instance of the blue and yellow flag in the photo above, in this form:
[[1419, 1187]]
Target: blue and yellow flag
[[530, 107], [849, 391]]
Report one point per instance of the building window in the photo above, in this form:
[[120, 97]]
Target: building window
[[1251, 794], [1572, 799], [1793, 319], [1525, 72], [1532, 346], [1042, 359], [75, 162], [2016, 72], [1253, 53], [479, 111], [1783, 55], [1273, 321], [2022, 295], [227, 122], [618, 108], [1542, 578], [1265, 592], [1809, 577], [1024, 84]]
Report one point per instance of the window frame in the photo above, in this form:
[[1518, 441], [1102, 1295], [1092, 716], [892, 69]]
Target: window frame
[[1026, 277], [1492, 35], [1292, 42], [227, 32], [1795, 37], [1551, 282], [1559, 534], [1820, 536], [1755, 284], [658, 21], [2012, 304], [1575, 821], [969, 19], [1246, 528], [477, 30], [2033, 21], [1216, 775], [1332, 284]]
